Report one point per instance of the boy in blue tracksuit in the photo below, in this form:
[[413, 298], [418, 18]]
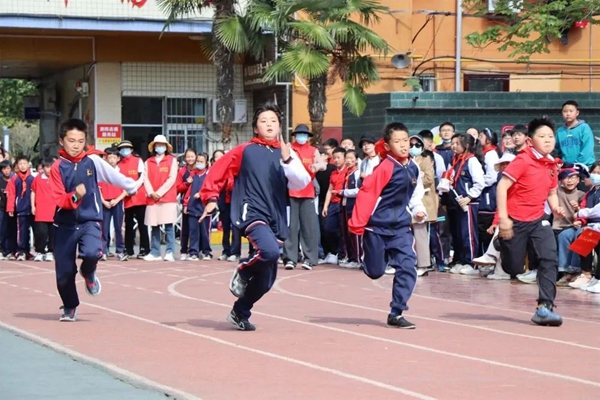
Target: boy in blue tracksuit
[[385, 205], [78, 218], [263, 169], [574, 140], [19, 205], [199, 232]]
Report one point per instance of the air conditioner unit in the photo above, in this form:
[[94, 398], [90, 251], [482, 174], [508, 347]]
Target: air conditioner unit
[[240, 111], [515, 6]]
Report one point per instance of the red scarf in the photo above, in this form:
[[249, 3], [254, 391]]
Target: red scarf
[[488, 148], [274, 143], [24, 176], [462, 159], [544, 159], [383, 153], [76, 159]]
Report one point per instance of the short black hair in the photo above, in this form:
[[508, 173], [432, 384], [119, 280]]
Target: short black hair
[[393, 127], [339, 150], [537, 123], [264, 107], [5, 163], [570, 103], [72, 124], [21, 157], [331, 142], [447, 123], [426, 134], [47, 162], [111, 151]]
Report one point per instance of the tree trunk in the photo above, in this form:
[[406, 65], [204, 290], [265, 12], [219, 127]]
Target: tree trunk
[[224, 63], [317, 98]]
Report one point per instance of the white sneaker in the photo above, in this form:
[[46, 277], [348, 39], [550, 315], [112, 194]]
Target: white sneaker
[[206, 257], [150, 257], [39, 257], [469, 270], [169, 257], [222, 257], [580, 281], [499, 275], [485, 259], [422, 272], [331, 259], [2, 257], [592, 282], [234, 259], [21, 257], [321, 261], [183, 257], [390, 270], [456, 269], [351, 265], [595, 288], [49, 257], [530, 277]]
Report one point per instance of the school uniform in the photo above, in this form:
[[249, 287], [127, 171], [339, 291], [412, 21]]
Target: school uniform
[[259, 205], [79, 223], [43, 230], [199, 231], [487, 203], [115, 215], [333, 223], [467, 181], [349, 192], [382, 214], [183, 186], [232, 237], [8, 226], [19, 203]]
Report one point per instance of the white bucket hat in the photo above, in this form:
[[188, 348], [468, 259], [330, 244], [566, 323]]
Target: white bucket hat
[[506, 158], [162, 140]]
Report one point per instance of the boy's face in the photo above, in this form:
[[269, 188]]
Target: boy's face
[[570, 182], [268, 125], [351, 160], [47, 170], [339, 159], [23, 165], [399, 144], [570, 114], [112, 159], [507, 142], [6, 171], [347, 144], [446, 132], [40, 168], [543, 140], [519, 138], [73, 142]]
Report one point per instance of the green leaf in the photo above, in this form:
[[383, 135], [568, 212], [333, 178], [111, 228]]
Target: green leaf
[[355, 98], [231, 33], [299, 60], [313, 33]]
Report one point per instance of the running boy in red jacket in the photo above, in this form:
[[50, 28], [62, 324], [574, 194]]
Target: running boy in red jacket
[[43, 208], [385, 204]]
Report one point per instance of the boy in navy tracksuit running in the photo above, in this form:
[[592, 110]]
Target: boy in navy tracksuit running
[[19, 205], [386, 203], [264, 170], [199, 231], [78, 219]]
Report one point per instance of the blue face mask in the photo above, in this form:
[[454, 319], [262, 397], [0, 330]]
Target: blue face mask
[[415, 151], [301, 138], [160, 149], [125, 152], [200, 166], [595, 178]]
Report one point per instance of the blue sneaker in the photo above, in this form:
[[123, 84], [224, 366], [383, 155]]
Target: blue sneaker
[[68, 315], [92, 284], [443, 268], [546, 317]]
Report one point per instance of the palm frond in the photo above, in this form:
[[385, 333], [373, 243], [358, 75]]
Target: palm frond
[[231, 33], [363, 71], [300, 60], [312, 33], [355, 99], [175, 9]]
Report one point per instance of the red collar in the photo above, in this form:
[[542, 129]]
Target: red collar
[[488, 148], [76, 159], [531, 152], [270, 143], [24, 175]]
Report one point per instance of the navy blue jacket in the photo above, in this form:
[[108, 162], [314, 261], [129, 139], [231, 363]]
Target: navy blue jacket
[[195, 208]]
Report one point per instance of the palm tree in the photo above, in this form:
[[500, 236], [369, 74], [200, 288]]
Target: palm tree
[[324, 41], [222, 56]]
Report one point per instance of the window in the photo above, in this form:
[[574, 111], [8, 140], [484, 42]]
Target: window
[[427, 83], [487, 83], [145, 111], [185, 124]]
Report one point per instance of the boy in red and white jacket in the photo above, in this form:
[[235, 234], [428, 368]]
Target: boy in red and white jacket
[[43, 208], [113, 211]]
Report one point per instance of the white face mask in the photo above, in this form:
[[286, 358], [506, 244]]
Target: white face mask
[[595, 178], [415, 151], [160, 149], [200, 166]]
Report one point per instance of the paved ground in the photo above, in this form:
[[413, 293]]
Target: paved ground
[[30, 371]]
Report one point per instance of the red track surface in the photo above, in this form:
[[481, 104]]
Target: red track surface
[[321, 334]]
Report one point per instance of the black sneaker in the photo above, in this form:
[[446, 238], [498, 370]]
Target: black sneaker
[[240, 323], [307, 265], [289, 265], [68, 315], [399, 321], [237, 285]]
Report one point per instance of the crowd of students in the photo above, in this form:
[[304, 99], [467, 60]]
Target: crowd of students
[[476, 204]]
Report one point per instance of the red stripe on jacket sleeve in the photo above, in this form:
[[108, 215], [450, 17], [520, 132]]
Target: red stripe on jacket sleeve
[[227, 167], [63, 200], [11, 195]]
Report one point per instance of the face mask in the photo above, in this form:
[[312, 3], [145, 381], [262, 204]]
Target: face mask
[[301, 138], [415, 151], [125, 152], [595, 178], [160, 149], [200, 166], [446, 140]]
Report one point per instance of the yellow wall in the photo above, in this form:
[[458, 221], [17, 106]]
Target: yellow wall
[[438, 38]]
